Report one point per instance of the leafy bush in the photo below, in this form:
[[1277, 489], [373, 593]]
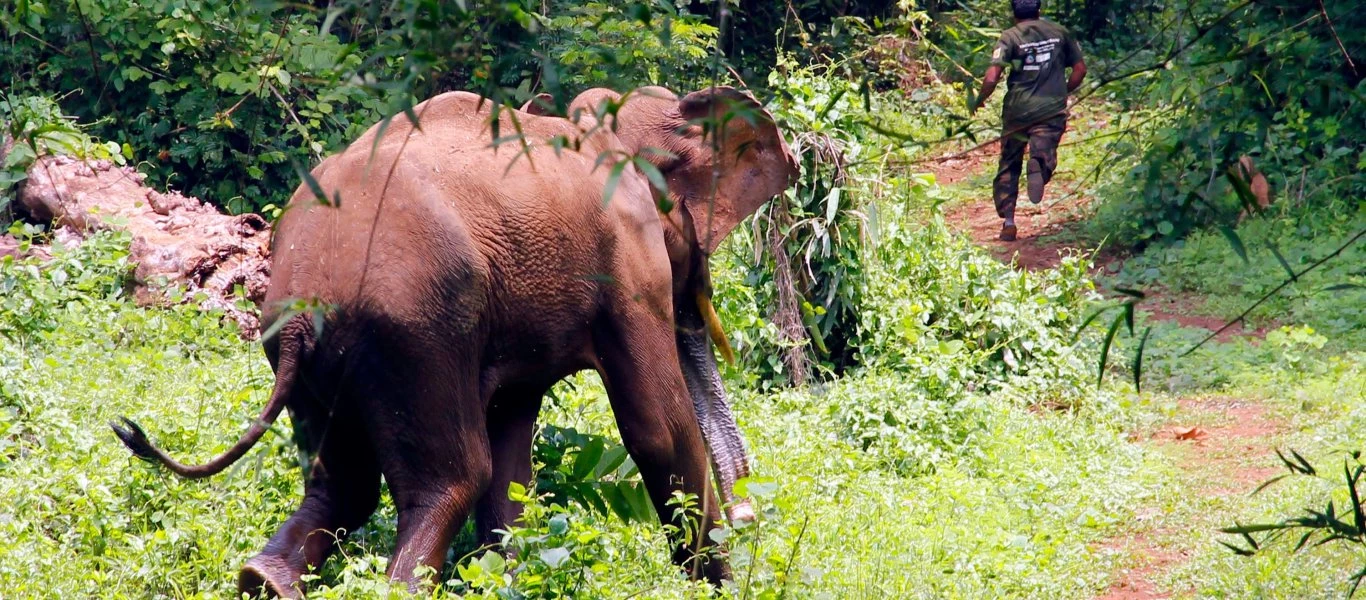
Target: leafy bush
[[933, 295], [1263, 79], [35, 299], [217, 97], [627, 46], [227, 100]]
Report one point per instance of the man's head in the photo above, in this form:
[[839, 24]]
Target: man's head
[[1025, 9]]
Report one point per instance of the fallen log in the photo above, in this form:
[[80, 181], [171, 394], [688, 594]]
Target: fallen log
[[177, 241]]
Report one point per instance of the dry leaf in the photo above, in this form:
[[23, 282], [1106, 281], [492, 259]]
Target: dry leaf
[[1192, 433]]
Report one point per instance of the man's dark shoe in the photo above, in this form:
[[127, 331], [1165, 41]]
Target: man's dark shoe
[[1007, 233]]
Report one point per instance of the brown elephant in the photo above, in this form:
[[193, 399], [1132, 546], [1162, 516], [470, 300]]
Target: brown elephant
[[460, 279]]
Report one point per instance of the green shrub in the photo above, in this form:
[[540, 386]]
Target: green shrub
[[1268, 80], [37, 127], [600, 44]]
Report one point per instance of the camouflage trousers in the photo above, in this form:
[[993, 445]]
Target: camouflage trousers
[[1043, 138]]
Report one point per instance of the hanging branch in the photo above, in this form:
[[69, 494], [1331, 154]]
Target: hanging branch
[[1293, 278]]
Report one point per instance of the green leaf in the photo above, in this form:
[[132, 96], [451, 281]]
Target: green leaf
[[1237, 550], [832, 205], [652, 173], [1245, 529], [611, 460], [587, 459], [1342, 287], [1281, 259], [313, 185], [1090, 319], [1105, 348], [1244, 192], [554, 557], [1137, 366], [1234, 241], [613, 179], [639, 500]]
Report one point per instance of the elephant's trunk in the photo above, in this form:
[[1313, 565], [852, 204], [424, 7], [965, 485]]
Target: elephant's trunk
[[727, 447]]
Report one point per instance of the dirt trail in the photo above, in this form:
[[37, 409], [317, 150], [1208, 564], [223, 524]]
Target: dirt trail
[[1221, 445], [1049, 231], [1044, 228]]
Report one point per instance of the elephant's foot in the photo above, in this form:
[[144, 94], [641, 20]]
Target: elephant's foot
[[741, 512], [269, 576]]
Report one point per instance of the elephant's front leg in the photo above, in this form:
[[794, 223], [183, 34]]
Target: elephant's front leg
[[511, 430], [639, 365]]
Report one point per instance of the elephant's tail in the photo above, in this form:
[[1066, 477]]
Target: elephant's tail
[[296, 342]]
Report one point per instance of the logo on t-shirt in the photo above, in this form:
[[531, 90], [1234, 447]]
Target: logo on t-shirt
[[1037, 54]]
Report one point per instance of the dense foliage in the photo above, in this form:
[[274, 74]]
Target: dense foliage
[[1275, 81]]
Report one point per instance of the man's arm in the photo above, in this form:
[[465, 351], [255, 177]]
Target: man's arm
[[1078, 74], [989, 82]]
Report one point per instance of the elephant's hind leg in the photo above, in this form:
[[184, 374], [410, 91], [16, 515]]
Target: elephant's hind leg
[[341, 492], [511, 431], [434, 454]]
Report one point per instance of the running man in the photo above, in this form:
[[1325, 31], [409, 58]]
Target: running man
[[1035, 109]]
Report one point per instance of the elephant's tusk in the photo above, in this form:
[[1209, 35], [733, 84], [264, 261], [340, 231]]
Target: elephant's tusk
[[718, 335]]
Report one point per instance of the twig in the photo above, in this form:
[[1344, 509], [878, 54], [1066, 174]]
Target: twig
[[1294, 278], [274, 53], [1334, 31], [90, 45], [290, 109]]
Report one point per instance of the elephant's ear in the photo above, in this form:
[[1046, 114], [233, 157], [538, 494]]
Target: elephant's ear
[[540, 105], [741, 161]]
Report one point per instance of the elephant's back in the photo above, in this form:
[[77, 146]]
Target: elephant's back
[[438, 226]]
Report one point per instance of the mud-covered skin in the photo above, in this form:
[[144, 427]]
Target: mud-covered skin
[[461, 281]]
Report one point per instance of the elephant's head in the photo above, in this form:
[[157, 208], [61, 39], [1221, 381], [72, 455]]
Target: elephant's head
[[722, 156], [720, 152]]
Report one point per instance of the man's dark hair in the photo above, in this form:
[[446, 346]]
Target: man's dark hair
[[1025, 9]]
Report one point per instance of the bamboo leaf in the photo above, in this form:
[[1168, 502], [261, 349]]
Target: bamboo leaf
[[313, 185], [1105, 348], [613, 179], [1246, 529], [1234, 241], [652, 173], [1237, 550], [1089, 319], [1138, 360], [1281, 259], [1244, 192]]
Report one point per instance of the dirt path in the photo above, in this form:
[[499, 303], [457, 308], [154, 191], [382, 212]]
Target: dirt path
[[1219, 445], [1049, 231]]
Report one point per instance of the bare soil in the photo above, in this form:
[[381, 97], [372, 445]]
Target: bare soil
[[1220, 442]]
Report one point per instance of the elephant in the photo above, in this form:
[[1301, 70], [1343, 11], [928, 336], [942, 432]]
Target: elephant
[[447, 282]]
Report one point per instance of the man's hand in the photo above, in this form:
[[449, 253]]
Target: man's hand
[[989, 81], [1078, 74]]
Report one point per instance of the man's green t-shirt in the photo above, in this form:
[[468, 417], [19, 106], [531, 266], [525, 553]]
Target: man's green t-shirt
[[1038, 53]]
